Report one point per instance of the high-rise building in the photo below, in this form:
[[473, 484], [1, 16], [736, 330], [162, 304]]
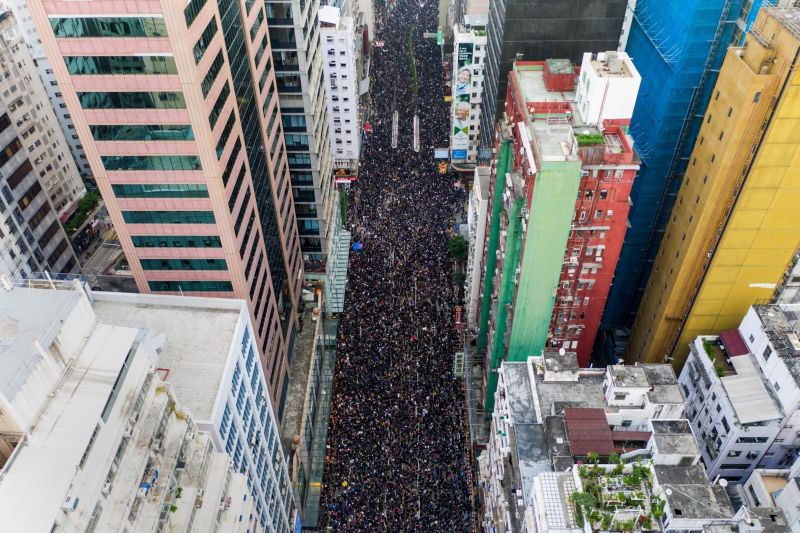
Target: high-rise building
[[179, 120], [341, 87], [733, 231], [31, 35], [145, 412], [678, 48], [297, 55], [31, 238], [741, 389], [557, 204], [469, 45], [535, 30], [28, 106]]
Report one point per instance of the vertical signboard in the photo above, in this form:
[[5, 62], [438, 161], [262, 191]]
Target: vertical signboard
[[462, 90]]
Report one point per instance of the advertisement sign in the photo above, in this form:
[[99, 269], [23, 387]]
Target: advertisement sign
[[462, 84], [460, 131]]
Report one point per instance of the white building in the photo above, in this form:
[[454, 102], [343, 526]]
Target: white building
[[780, 488], [31, 238], [338, 44], [477, 214], [28, 30], [607, 88], [30, 108], [549, 413], [742, 394], [469, 58], [139, 411]]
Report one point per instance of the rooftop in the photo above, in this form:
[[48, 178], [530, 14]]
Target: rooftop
[[733, 343], [531, 453], [664, 388], [611, 65], [555, 396], [518, 393], [628, 376], [674, 437], [196, 356], [588, 431], [748, 394], [555, 490], [690, 495], [35, 480], [28, 315], [329, 15]]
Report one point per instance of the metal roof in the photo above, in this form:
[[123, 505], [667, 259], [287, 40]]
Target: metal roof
[[733, 342], [748, 394], [588, 431]]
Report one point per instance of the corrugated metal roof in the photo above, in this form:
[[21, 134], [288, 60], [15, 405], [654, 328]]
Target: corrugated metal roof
[[733, 342], [588, 431], [748, 394]]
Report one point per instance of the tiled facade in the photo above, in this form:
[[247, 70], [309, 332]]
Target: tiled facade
[[186, 147]]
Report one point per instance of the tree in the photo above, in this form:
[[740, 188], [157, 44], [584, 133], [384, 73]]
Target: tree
[[457, 247], [459, 277]]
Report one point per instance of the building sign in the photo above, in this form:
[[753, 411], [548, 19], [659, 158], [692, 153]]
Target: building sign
[[462, 90], [441, 153]]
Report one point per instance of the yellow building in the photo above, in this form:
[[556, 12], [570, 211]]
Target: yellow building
[[736, 221]]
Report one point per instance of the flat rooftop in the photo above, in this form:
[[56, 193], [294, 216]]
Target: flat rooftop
[[555, 396], [629, 376], [674, 437], [28, 315], [692, 495], [35, 480], [518, 393], [195, 356], [531, 453]]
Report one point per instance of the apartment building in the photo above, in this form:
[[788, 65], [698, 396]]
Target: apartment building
[[31, 35], [741, 393], [180, 123], [31, 238], [469, 58], [30, 109], [558, 205]]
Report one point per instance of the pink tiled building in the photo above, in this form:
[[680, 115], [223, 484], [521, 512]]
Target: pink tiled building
[[177, 110]]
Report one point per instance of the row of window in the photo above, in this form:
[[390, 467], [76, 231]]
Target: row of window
[[168, 217], [142, 132], [176, 241], [204, 40], [190, 286], [108, 27], [184, 264], [121, 64], [132, 100], [161, 190], [151, 162]]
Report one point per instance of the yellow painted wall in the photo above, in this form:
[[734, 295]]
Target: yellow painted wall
[[759, 240]]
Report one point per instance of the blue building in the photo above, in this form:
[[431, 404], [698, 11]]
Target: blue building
[[678, 47]]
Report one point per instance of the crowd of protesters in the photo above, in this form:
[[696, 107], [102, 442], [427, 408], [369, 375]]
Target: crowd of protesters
[[396, 457]]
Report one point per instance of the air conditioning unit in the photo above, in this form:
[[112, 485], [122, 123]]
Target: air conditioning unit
[[106, 489], [70, 503]]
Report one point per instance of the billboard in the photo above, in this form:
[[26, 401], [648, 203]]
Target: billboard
[[461, 102]]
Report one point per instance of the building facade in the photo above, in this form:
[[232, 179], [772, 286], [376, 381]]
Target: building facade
[[732, 235], [133, 439], [539, 30], [32, 239], [31, 35], [28, 106], [557, 208], [341, 87], [186, 146], [742, 392], [678, 48], [469, 58]]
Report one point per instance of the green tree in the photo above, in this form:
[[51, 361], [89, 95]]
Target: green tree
[[457, 247], [459, 277]]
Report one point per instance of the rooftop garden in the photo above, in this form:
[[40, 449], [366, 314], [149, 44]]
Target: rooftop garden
[[616, 497], [590, 139]]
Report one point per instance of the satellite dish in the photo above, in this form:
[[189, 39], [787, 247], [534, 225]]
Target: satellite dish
[[562, 351], [669, 492]]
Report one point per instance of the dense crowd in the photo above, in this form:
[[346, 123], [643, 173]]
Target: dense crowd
[[397, 456]]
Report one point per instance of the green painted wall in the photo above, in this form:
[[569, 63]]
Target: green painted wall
[[553, 203]]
